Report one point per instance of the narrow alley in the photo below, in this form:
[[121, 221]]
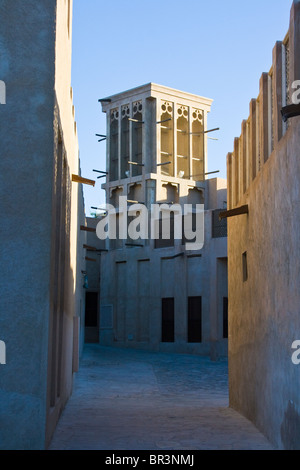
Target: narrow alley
[[136, 400]]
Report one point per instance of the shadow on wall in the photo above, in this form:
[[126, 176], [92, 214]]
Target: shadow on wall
[[290, 427]]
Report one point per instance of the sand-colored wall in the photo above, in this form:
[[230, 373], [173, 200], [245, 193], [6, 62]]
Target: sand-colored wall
[[73, 292], [264, 312], [35, 51], [27, 66]]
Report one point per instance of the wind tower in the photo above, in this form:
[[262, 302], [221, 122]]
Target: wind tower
[[155, 293]]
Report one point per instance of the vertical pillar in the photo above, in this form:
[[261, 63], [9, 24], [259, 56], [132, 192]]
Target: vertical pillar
[[158, 138], [248, 153], [190, 124], [119, 142], [252, 141], [243, 157], [229, 181], [149, 141], [205, 142], [277, 95], [108, 137], [294, 42], [236, 170], [264, 124]]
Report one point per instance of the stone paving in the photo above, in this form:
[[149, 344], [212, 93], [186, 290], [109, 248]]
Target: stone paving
[[136, 400]]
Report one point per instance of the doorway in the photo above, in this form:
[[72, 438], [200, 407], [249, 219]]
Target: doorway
[[91, 317]]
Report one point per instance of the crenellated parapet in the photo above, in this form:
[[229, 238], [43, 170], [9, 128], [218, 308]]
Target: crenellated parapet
[[264, 128]]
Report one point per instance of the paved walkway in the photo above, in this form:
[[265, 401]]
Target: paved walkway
[[136, 400]]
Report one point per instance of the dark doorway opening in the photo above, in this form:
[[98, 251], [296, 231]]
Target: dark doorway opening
[[167, 323], [194, 320], [91, 317]]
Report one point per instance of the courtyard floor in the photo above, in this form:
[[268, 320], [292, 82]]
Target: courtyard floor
[[136, 400]]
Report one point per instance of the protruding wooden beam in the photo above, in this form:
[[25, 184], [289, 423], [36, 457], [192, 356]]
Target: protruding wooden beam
[[87, 229], [79, 179], [134, 244], [162, 164], [90, 259], [233, 212], [135, 163], [290, 111], [136, 120], [90, 248]]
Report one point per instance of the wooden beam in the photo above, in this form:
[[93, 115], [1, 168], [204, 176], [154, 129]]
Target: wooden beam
[[182, 253], [136, 163], [79, 179], [90, 259], [233, 212], [290, 111], [90, 248], [87, 229], [134, 244]]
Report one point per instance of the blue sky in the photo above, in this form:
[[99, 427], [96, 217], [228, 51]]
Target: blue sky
[[214, 49]]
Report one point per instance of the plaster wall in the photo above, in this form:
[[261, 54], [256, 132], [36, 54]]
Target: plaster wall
[[35, 55], [27, 65], [73, 293], [264, 317], [264, 311], [134, 281]]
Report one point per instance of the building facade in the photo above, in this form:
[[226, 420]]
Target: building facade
[[94, 248], [156, 293], [263, 252], [41, 249]]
